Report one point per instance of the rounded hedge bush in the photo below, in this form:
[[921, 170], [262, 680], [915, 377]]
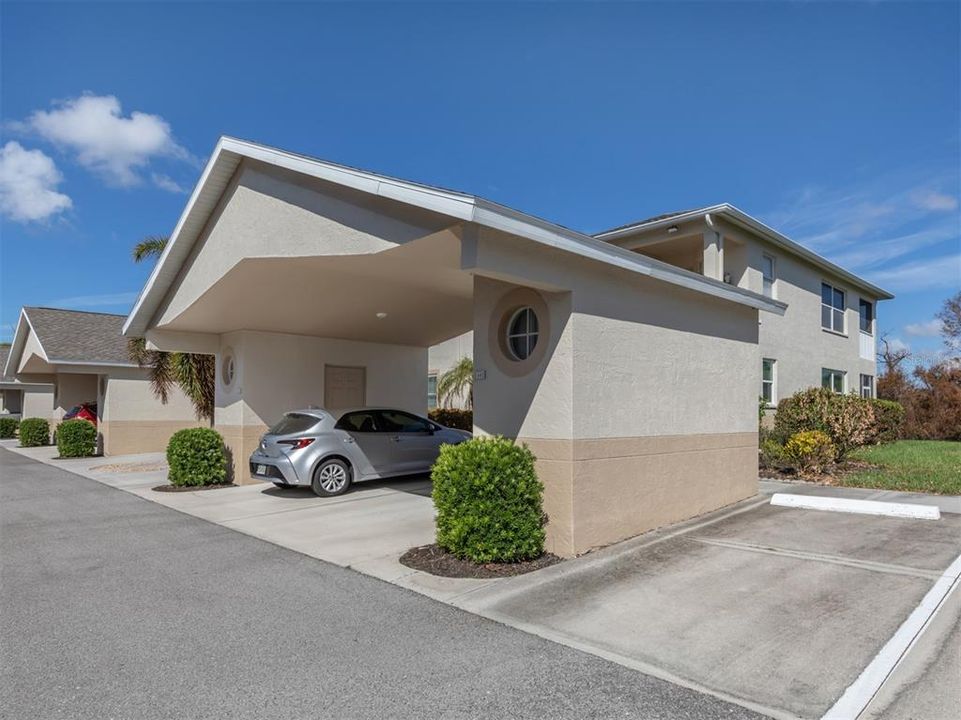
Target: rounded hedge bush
[[34, 432], [489, 501], [76, 438], [847, 420], [196, 456], [8, 427]]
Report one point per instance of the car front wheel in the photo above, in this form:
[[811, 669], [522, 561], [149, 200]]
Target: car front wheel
[[332, 477]]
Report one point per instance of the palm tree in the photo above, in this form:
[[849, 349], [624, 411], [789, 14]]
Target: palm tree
[[194, 373], [456, 383]]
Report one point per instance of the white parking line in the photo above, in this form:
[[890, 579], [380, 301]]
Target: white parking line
[[852, 703], [863, 507]]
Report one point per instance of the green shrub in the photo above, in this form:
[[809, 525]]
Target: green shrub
[[196, 456], [452, 418], [8, 427], [76, 438], [847, 420], [810, 451], [488, 501], [34, 432], [888, 419]]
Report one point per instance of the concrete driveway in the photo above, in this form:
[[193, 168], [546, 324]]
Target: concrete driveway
[[777, 609]]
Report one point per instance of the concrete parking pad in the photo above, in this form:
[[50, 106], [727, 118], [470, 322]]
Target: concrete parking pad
[[780, 609]]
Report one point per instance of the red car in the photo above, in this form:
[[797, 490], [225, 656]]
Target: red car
[[83, 411]]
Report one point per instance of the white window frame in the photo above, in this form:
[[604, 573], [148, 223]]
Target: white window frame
[[833, 309], [432, 376], [869, 386], [767, 283], [772, 401], [833, 372], [870, 304], [531, 337]]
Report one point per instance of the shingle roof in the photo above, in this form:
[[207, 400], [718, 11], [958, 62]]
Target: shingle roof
[[4, 353], [76, 336]]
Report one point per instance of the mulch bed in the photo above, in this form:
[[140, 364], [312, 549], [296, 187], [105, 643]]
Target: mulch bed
[[192, 488], [436, 561], [831, 477]]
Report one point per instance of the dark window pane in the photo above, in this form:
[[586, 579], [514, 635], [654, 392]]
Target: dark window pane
[[400, 422], [825, 316], [294, 423], [825, 293], [358, 422], [839, 299]]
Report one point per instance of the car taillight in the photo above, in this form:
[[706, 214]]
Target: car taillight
[[296, 444]]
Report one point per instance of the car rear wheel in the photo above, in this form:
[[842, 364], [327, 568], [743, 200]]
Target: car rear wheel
[[332, 477]]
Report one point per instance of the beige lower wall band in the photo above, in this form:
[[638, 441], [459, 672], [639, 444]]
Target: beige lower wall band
[[129, 437]]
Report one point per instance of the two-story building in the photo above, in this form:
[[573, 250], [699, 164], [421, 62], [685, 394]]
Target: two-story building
[[827, 336]]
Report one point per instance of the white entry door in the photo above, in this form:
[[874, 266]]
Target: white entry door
[[345, 387]]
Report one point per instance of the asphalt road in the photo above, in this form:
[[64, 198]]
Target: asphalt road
[[114, 607]]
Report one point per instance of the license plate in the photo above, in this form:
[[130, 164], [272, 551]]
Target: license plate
[[261, 469]]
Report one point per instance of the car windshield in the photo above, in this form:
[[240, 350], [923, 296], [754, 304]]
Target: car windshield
[[294, 423]]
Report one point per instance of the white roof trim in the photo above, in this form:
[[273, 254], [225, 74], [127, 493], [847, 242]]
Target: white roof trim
[[741, 218], [24, 328], [229, 152]]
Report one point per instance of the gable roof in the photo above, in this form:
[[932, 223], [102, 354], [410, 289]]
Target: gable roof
[[230, 152], [71, 337], [752, 224], [4, 353]]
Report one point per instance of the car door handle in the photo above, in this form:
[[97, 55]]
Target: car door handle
[[348, 439]]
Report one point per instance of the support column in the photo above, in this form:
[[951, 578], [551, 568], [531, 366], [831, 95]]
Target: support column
[[713, 254]]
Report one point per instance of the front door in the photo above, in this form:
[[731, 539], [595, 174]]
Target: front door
[[344, 387]]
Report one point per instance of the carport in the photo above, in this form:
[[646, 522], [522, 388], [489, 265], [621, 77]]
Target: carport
[[633, 381]]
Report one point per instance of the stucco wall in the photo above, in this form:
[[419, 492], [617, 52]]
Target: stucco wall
[[38, 404], [274, 373], [134, 420], [313, 218], [796, 340], [442, 357], [73, 389]]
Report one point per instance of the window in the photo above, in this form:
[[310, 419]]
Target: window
[[358, 422], [833, 380], [832, 308], [522, 331], [867, 386], [400, 422], [294, 423], [767, 270], [768, 392], [432, 391], [866, 311], [228, 370]]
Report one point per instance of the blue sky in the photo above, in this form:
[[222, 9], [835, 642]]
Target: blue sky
[[837, 123]]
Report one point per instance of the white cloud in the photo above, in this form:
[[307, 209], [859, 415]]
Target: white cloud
[[125, 299], [104, 141], [944, 271], [931, 328], [897, 345], [28, 184], [165, 182], [935, 201]]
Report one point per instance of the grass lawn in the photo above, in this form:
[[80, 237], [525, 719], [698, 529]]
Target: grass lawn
[[932, 466]]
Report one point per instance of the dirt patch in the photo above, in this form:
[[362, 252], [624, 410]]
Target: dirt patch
[[831, 477], [129, 467], [436, 561], [191, 488]]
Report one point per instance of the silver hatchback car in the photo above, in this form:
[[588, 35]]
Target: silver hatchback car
[[330, 450]]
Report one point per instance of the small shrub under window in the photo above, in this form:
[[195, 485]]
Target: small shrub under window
[[8, 427], [196, 457], [489, 501], [76, 438], [34, 432], [810, 451], [453, 418]]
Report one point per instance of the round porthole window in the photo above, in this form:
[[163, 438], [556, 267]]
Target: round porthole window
[[522, 331], [228, 370]]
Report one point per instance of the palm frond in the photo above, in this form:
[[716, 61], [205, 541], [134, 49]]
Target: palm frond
[[196, 376], [151, 246], [457, 383]]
